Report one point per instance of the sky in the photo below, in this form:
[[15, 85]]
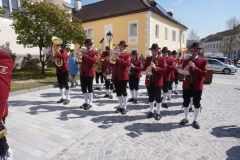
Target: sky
[[204, 16]]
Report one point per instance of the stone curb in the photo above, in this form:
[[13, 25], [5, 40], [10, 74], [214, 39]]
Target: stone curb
[[20, 92]]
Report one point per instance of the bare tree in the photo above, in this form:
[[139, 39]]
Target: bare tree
[[229, 38], [193, 35]]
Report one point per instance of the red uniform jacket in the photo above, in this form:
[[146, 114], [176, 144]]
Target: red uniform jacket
[[161, 68], [6, 68], [103, 67], [168, 75], [199, 72], [64, 57], [88, 62], [122, 65], [138, 68], [176, 61]]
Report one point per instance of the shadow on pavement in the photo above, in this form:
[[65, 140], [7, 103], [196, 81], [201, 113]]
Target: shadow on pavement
[[229, 131], [31, 103]]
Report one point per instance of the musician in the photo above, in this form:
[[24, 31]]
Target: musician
[[157, 66], [62, 71], [134, 76], [107, 73], [89, 58], [120, 75], [6, 68], [166, 76], [98, 71], [171, 79], [193, 83], [177, 61]]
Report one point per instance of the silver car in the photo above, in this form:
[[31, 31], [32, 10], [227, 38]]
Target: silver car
[[218, 66]]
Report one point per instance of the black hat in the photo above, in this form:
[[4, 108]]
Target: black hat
[[169, 52], [154, 47], [106, 53], [88, 41], [122, 43], [107, 48], [134, 52], [174, 52], [195, 45], [164, 50]]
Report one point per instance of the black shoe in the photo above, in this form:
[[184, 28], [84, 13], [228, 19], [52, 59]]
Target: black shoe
[[61, 100], [164, 105], [190, 109], [195, 125], [155, 104], [82, 106], [106, 96], [131, 100], [118, 110], [87, 107], [97, 88], [124, 111], [135, 101], [127, 87], [150, 115], [76, 84], [175, 92], [183, 122], [66, 102], [168, 98], [114, 91], [157, 117], [110, 96], [100, 88]]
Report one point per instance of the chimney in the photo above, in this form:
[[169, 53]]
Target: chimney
[[78, 5], [170, 13]]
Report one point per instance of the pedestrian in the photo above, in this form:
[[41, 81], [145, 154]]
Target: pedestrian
[[193, 84], [6, 68], [142, 58], [73, 69], [156, 65]]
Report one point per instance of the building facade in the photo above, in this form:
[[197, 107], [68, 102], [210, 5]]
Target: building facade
[[8, 37], [139, 22]]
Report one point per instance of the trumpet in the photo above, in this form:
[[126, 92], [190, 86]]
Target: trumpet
[[56, 41], [114, 52]]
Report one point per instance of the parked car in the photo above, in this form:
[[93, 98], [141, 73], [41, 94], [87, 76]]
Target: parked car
[[224, 60], [238, 64], [218, 66]]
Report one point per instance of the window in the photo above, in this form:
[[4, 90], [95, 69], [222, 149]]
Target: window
[[157, 31], [174, 36], [166, 33], [217, 45], [215, 62], [133, 29], [89, 33], [210, 45], [213, 45], [205, 46], [14, 5], [179, 37], [183, 38], [6, 8]]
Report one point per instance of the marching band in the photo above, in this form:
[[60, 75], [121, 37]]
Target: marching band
[[118, 67]]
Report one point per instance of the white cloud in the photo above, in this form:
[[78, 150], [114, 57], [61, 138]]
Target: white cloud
[[177, 3], [171, 10]]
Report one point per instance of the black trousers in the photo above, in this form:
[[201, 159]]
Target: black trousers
[[170, 85], [187, 93], [107, 83], [176, 79], [133, 82], [154, 92], [99, 75], [120, 86], [62, 78], [165, 86], [86, 84]]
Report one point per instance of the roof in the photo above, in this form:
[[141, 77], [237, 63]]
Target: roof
[[113, 8]]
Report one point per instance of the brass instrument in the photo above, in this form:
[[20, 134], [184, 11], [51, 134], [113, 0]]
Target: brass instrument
[[79, 55], [56, 41], [114, 52], [99, 62], [148, 73]]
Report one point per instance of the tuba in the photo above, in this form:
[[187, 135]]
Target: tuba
[[99, 62], [56, 41]]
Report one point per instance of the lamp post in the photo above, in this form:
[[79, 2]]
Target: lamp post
[[181, 31], [109, 37]]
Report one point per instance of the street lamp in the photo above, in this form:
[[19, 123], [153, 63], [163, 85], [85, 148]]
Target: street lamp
[[109, 37]]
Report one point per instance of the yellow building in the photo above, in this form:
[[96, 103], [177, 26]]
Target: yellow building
[[139, 22]]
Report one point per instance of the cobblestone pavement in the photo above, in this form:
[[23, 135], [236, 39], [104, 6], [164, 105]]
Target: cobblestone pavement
[[41, 129]]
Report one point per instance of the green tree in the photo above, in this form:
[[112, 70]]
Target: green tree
[[229, 38], [35, 23], [1, 12]]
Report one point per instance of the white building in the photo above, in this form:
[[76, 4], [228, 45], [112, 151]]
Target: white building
[[7, 34]]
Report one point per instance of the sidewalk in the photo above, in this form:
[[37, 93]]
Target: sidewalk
[[41, 129]]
